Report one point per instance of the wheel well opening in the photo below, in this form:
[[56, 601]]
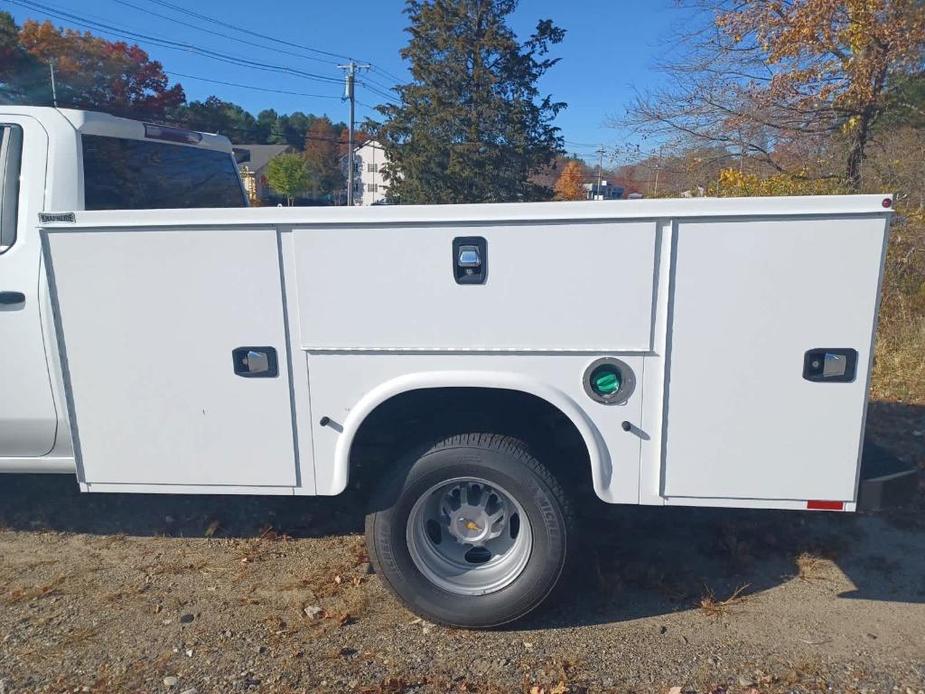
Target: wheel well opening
[[430, 414]]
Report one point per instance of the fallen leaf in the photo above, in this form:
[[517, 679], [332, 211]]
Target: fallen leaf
[[342, 618]]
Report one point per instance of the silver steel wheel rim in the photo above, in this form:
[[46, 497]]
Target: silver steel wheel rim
[[484, 539]]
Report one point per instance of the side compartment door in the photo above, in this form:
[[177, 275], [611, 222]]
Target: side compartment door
[[756, 408], [28, 419], [175, 354]]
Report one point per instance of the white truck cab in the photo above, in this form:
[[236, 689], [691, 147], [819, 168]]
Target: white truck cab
[[474, 367]]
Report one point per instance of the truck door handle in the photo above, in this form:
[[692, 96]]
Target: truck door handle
[[12, 298]]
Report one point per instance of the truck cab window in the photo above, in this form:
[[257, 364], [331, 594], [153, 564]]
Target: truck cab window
[[10, 158], [123, 174]]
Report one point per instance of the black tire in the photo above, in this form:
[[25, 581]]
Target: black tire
[[497, 459]]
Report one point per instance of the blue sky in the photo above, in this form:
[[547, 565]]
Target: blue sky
[[610, 49]]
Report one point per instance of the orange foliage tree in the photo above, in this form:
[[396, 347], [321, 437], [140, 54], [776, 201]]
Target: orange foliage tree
[[322, 157], [569, 185], [767, 77], [96, 74]]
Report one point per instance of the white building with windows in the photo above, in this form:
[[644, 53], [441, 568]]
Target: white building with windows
[[370, 185]]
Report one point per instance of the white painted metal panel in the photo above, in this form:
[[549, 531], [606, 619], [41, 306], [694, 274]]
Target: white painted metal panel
[[583, 286], [149, 320], [750, 297], [497, 214], [341, 382], [28, 418]]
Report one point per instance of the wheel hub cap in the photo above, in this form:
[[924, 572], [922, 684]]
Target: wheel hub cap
[[479, 515], [469, 536]]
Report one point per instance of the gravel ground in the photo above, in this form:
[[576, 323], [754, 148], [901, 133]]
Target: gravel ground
[[115, 593]]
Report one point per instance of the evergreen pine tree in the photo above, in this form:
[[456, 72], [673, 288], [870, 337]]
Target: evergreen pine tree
[[471, 126]]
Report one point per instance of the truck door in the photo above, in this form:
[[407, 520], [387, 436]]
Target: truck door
[[770, 345], [27, 410], [175, 353]]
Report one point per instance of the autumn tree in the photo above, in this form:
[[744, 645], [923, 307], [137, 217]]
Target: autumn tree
[[569, 186], [799, 85], [95, 74], [288, 176], [472, 125], [322, 159], [22, 77]]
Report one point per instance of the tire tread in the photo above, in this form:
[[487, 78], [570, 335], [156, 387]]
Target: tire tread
[[518, 450]]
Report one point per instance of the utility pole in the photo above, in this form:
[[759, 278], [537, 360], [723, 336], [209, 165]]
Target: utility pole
[[349, 89], [600, 171], [54, 91], [658, 167]]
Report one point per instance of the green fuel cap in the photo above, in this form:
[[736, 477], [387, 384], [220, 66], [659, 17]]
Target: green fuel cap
[[609, 381], [606, 383], [606, 380]]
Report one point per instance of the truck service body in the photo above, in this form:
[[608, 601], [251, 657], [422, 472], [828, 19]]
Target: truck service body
[[473, 365]]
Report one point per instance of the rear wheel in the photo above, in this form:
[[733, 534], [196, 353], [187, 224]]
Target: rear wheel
[[471, 532]]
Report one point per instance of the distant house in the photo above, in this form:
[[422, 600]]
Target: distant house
[[369, 183], [697, 192], [606, 191], [252, 162]]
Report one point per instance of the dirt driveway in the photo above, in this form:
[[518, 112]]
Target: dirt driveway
[[115, 593]]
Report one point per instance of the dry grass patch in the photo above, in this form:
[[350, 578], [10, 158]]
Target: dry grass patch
[[899, 369], [716, 608], [811, 567], [28, 593]]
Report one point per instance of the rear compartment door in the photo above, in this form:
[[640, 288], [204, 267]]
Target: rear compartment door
[[751, 300], [170, 338]]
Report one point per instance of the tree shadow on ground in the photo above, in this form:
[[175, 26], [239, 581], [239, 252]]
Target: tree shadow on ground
[[632, 561]]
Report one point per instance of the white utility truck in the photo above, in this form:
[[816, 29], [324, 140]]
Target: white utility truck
[[472, 366]]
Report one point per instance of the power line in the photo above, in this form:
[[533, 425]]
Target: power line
[[386, 73], [167, 43], [582, 144], [380, 84], [213, 20], [251, 32], [221, 34], [249, 86], [378, 92], [374, 86]]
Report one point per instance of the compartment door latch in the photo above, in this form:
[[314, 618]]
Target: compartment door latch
[[470, 259], [830, 365], [255, 362]]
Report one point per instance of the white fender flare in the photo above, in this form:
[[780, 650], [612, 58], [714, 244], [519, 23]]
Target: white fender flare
[[601, 467]]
